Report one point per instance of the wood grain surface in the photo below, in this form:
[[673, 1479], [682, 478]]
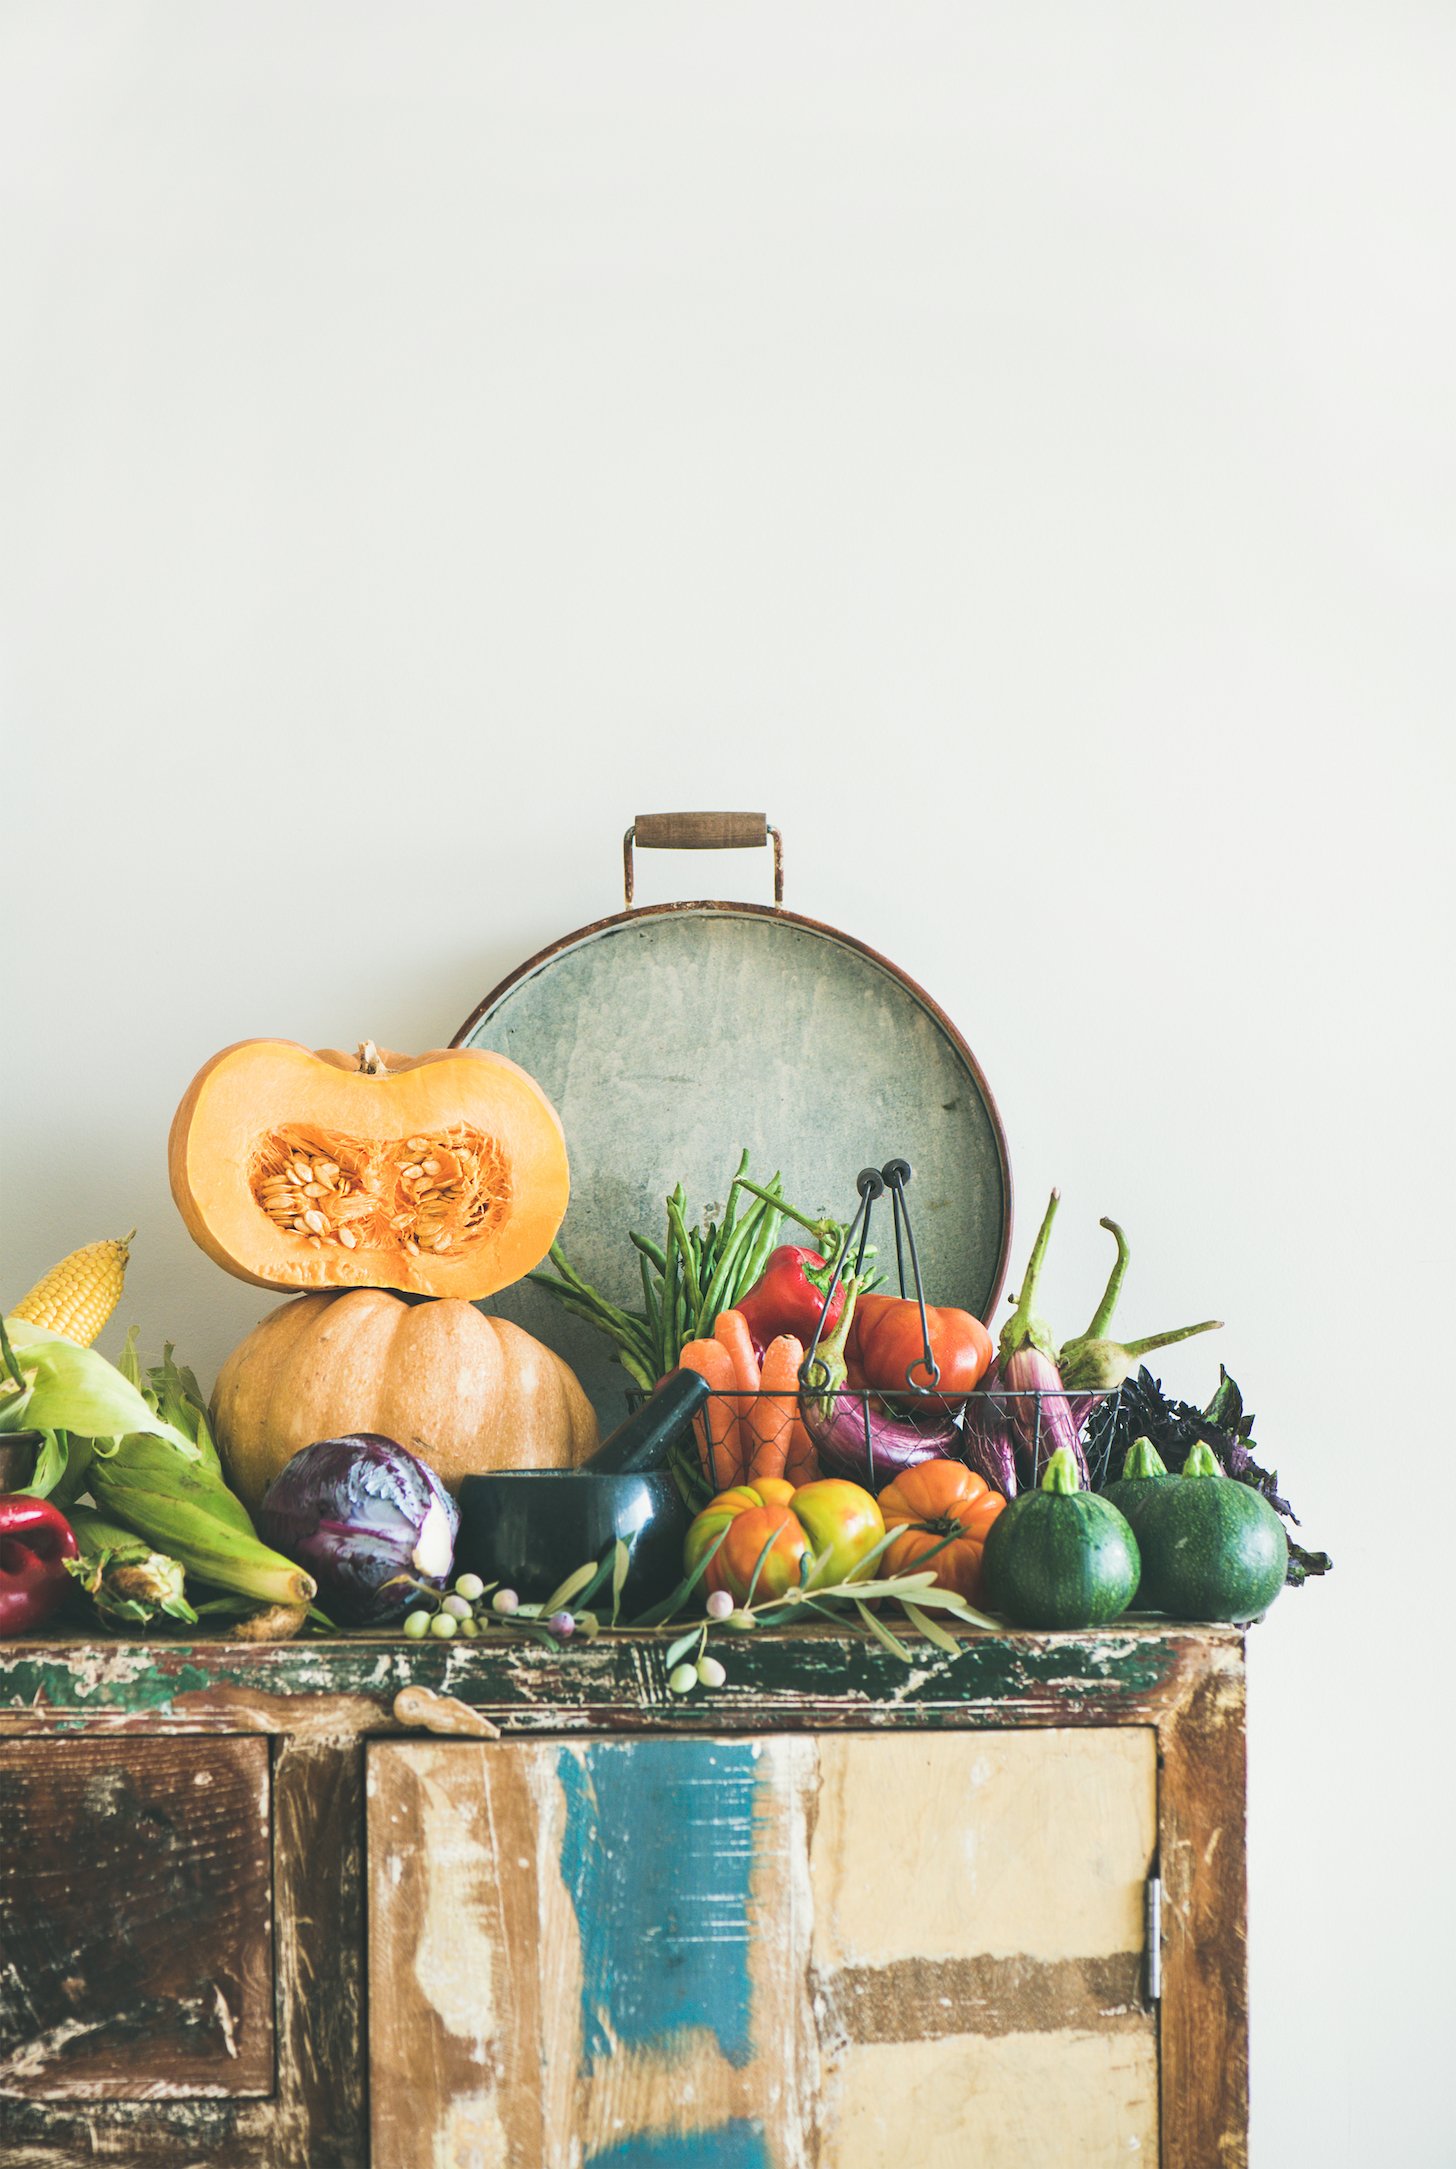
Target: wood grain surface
[[1047, 2017], [136, 1919], [787, 1953]]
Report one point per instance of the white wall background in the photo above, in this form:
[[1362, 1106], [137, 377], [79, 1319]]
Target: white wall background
[[1014, 445]]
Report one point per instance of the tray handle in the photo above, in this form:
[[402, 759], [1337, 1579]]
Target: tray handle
[[701, 832]]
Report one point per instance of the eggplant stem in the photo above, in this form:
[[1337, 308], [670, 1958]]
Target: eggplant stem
[[1038, 1254], [1166, 1340], [1102, 1316]]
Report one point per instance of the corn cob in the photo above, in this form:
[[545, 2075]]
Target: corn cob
[[77, 1296], [182, 1509]]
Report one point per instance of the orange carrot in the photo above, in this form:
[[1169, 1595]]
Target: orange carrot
[[802, 1466], [717, 1427], [731, 1332], [771, 1416]]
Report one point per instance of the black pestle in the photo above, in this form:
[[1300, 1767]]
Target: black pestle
[[643, 1440]]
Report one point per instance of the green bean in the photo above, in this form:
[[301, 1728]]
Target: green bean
[[649, 1297], [689, 1264], [717, 1295], [671, 1346], [763, 1241], [625, 1331], [591, 1303], [650, 1250], [730, 1209]]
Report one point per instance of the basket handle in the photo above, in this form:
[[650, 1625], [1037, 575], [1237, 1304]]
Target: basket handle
[[701, 832]]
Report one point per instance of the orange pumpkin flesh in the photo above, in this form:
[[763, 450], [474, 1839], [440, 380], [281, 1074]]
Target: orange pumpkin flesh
[[445, 1174], [465, 1392]]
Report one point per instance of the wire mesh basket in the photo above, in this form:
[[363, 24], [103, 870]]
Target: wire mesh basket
[[1034, 1422], [1006, 1434]]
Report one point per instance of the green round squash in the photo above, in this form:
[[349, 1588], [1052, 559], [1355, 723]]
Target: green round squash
[[1212, 1547], [1135, 1493], [1060, 1556]]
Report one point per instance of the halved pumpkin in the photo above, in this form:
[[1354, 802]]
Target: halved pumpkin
[[439, 1174]]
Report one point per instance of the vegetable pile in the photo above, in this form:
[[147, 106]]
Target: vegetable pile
[[857, 1449], [138, 1443], [696, 1273]]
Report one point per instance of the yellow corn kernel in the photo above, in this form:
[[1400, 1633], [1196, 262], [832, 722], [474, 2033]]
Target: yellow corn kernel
[[77, 1296]]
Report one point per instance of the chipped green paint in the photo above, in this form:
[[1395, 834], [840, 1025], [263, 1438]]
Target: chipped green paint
[[822, 1677]]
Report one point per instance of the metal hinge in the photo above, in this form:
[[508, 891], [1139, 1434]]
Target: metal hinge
[[1153, 1935]]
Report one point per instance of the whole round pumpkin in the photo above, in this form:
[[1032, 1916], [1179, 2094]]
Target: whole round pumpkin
[[1060, 1556], [1213, 1548], [1135, 1494], [940, 1514], [465, 1392]]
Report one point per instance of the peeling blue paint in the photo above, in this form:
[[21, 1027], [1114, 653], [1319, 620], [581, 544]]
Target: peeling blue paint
[[729, 2146], [657, 1859]]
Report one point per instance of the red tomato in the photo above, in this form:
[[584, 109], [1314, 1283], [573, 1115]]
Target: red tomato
[[942, 1512], [889, 1345]]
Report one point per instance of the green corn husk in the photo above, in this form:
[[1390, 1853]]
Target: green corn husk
[[130, 1584], [178, 1505]]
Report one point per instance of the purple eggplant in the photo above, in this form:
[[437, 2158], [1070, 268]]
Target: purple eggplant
[[1026, 1385], [988, 1442], [855, 1435]]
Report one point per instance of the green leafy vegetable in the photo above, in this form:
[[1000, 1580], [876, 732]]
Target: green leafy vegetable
[[1142, 1410]]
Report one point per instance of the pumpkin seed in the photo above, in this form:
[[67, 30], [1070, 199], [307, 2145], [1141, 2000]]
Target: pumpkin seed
[[315, 1221], [348, 1238]]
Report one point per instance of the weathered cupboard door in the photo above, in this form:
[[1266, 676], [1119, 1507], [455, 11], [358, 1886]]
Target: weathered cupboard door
[[898, 1951]]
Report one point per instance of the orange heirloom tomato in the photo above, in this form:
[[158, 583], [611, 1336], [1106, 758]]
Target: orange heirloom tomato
[[944, 1508], [889, 1346], [837, 1521]]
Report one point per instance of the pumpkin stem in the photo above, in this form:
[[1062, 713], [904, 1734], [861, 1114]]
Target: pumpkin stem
[[1202, 1462], [1143, 1459], [1061, 1472], [371, 1061]]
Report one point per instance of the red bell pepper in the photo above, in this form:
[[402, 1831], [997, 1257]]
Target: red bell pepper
[[786, 1297], [35, 1543], [888, 1344]]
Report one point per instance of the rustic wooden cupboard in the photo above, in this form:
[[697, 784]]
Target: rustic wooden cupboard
[[298, 1904]]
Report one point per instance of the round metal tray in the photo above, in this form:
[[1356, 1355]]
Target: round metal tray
[[671, 1037]]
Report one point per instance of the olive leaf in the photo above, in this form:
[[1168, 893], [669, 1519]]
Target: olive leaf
[[882, 1633], [679, 1649], [931, 1629], [621, 1560], [571, 1587], [759, 1564], [659, 1614]]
